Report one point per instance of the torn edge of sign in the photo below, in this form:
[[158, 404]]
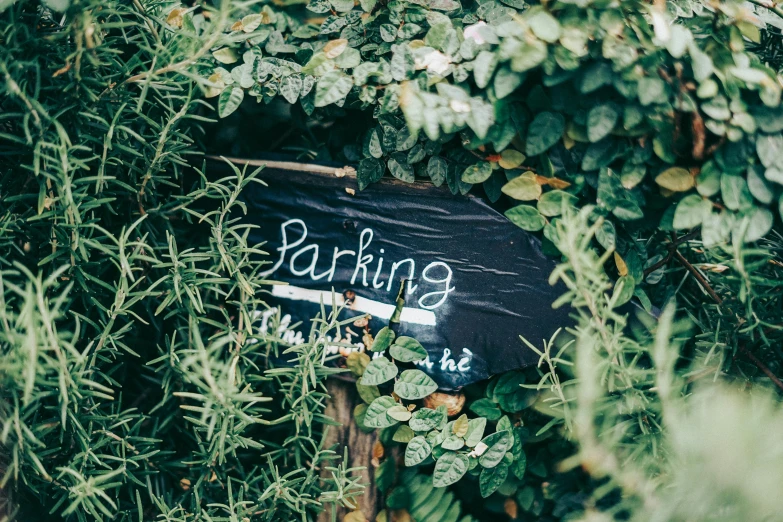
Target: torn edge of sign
[[359, 304]]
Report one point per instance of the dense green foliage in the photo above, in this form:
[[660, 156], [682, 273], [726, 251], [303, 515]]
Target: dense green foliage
[[643, 141]]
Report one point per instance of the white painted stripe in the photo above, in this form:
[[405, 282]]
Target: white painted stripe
[[360, 304]]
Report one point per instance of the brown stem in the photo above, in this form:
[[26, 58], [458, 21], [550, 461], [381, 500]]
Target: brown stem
[[761, 366], [700, 278]]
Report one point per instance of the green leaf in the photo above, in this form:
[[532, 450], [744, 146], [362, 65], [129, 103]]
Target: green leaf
[[484, 67], [383, 340], [691, 211], [545, 130], [497, 445], [475, 431], [735, 193], [399, 167], [770, 149], [426, 419], [553, 202], [368, 5], [676, 179], [413, 384], [379, 371], [342, 6], [229, 100], [486, 408], [544, 25], [506, 81], [370, 171], [652, 90], [492, 478], [759, 186], [291, 87], [511, 159], [357, 362], [368, 393], [332, 87], [407, 349], [453, 443], [403, 434], [437, 169], [226, 55], [601, 121], [449, 469], [519, 465], [477, 173], [523, 188], [759, 223], [417, 451], [376, 416], [623, 290], [526, 217]]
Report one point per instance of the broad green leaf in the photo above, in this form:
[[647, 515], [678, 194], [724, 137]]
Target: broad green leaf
[[357, 362], [545, 130], [412, 384], [332, 87], [497, 445], [770, 149], [226, 55], [475, 431], [368, 393], [477, 173], [492, 478], [758, 186], [601, 120], [553, 202], [383, 340], [511, 159], [759, 223], [229, 100], [453, 443], [376, 416], [437, 168], [676, 179], [526, 217], [417, 451], [691, 211], [523, 188], [370, 171], [449, 469], [403, 434], [652, 90], [519, 465], [486, 408], [426, 419], [407, 349], [484, 67], [291, 87], [544, 25], [623, 290], [251, 22], [399, 167], [379, 371], [735, 193]]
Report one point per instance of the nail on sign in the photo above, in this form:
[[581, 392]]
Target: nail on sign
[[475, 281]]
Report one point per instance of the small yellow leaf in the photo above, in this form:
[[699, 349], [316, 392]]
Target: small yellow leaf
[[355, 516], [676, 179], [335, 48], [237, 26], [460, 426], [225, 55], [175, 17], [622, 268], [511, 159], [251, 22], [523, 188], [214, 90]]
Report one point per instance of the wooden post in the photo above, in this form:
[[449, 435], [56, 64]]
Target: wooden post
[[343, 399]]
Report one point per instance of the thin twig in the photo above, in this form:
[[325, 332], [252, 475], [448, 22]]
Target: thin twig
[[772, 6], [700, 278], [761, 366]]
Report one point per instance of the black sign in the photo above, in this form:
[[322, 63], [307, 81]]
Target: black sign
[[477, 282]]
